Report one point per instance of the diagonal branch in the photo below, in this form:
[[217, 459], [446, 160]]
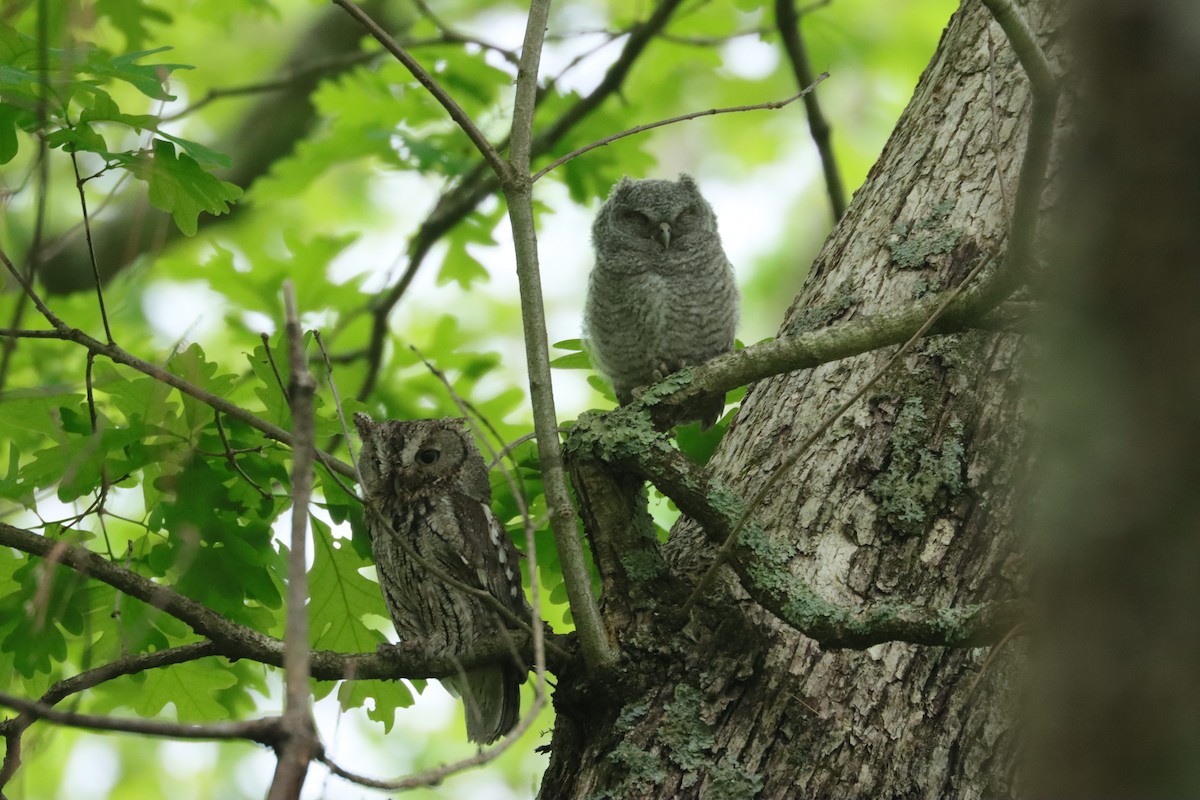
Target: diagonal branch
[[607, 140], [762, 562], [460, 117], [119, 355], [237, 641], [13, 728], [962, 310], [518, 192], [787, 20], [1043, 84]]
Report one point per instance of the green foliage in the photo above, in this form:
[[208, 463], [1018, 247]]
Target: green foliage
[[152, 479]]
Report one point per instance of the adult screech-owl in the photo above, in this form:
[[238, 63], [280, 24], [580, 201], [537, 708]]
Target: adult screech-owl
[[425, 481], [662, 294]]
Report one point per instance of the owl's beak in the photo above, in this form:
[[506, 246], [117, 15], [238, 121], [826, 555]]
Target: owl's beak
[[665, 234]]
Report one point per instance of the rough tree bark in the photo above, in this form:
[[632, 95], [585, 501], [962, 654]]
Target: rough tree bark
[[908, 499]]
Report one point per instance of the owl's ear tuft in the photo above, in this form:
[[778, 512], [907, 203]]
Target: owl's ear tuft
[[622, 185], [688, 182], [363, 422]]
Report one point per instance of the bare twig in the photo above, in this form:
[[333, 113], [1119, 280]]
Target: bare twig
[[452, 35], [607, 140], [231, 459], [284, 81], [1000, 180], [13, 728], [539, 647], [460, 117], [24, 333], [788, 22], [264, 731], [87, 228]]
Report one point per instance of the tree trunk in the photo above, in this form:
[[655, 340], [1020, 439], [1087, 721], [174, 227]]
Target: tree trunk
[[908, 498]]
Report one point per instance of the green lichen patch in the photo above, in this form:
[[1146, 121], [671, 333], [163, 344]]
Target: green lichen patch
[[731, 781], [816, 317], [685, 737], [613, 436], [921, 476], [643, 770], [913, 244], [926, 285], [643, 565]]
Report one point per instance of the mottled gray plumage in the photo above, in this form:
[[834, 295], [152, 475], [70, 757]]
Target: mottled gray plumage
[[662, 295], [428, 482]]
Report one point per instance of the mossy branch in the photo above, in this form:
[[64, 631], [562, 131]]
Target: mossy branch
[[762, 560]]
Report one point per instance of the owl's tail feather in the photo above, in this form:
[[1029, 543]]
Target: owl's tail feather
[[491, 700]]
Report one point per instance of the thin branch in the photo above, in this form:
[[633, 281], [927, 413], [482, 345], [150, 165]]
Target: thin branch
[[788, 23], [118, 355], [535, 622], [1044, 89], [264, 731], [285, 81], [1000, 180], [460, 117], [518, 193], [87, 228], [300, 742], [23, 333], [607, 140], [768, 488], [231, 458], [452, 35], [13, 728]]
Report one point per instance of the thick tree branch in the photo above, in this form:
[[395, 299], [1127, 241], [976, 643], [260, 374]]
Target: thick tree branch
[[624, 438], [518, 192], [299, 734], [837, 341], [237, 641]]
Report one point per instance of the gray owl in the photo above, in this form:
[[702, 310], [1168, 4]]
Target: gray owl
[[428, 481], [662, 294]]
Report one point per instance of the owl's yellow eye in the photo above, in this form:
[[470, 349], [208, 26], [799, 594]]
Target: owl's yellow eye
[[428, 456]]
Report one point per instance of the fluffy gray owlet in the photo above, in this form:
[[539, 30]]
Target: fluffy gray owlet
[[662, 294], [427, 479]]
